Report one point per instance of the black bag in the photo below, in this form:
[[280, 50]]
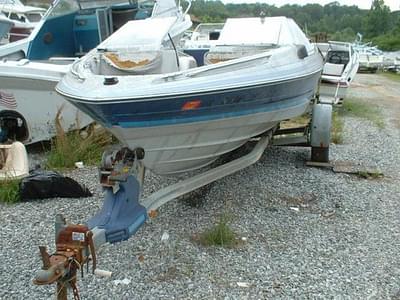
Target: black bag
[[42, 184]]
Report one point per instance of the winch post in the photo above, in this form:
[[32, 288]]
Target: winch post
[[121, 215]]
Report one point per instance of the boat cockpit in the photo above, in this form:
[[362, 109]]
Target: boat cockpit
[[72, 28], [338, 57]]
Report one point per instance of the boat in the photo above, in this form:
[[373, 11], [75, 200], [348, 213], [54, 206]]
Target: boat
[[202, 38], [31, 68], [152, 96], [371, 58], [13, 161], [25, 18], [340, 68], [5, 27]]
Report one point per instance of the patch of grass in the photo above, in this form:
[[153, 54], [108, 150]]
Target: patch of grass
[[370, 174], [219, 235], [337, 128], [9, 191], [359, 109], [302, 120], [393, 76], [71, 147]]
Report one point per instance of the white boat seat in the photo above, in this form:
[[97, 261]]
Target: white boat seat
[[13, 161], [186, 63], [333, 69]]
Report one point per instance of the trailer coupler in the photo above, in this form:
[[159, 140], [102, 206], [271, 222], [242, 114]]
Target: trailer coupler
[[74, 249]]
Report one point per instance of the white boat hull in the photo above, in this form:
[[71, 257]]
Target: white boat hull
[[185, 119], [186, 147], [32, 97]]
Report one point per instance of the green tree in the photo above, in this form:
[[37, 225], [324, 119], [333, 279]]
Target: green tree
[[377, 21]]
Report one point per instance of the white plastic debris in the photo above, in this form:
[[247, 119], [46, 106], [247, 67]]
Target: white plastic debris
[[244, 239], [295, 208], [79, 164], [102, 273], [165, 236], [125, 281], [243, 284]]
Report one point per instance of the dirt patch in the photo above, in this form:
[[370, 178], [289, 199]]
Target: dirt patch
[[381, 91]]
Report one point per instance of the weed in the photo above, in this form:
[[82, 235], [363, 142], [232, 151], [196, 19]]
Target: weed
[[9, 191], [359, 109], [337, 128], [219, 235], [370, 174], [68, 148], [300, 121]]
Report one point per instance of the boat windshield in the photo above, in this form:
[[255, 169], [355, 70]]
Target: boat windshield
[[87, 4], [34, 16], [63, 7]]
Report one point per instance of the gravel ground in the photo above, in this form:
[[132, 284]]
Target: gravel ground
[[342, 240]]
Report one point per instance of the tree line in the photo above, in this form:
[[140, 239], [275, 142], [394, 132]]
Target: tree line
[[340, 22]]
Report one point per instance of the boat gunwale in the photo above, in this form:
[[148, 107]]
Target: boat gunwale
[[98, 101]]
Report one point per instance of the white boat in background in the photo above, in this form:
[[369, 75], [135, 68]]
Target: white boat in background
[[31, 68], [25, 18], [151, 96], [204, 36], [371, 58], [340, 68]]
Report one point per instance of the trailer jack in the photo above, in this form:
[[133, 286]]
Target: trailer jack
[[74, 249]]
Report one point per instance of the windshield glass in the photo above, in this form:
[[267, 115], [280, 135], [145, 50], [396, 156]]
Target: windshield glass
[[85, 4], [64, 7], [34, 17]]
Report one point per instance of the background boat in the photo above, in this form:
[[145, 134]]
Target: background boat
[[31, 68], [25, 18], [340, 68], [202, 38], [5, 27]]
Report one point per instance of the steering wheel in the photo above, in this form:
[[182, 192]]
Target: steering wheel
[[335, 59]]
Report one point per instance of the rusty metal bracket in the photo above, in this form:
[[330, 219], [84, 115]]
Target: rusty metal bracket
[[74, 248]]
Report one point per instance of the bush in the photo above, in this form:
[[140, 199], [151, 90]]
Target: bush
[[388, 42]]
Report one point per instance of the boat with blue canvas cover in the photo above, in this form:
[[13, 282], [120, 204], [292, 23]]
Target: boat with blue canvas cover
[[31, 68], [151, 96]]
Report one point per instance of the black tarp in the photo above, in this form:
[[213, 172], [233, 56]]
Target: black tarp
[[42, 184]]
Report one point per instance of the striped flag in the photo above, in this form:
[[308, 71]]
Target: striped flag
[[8, 100]]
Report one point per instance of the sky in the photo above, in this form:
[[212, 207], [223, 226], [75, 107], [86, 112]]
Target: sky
[[364, 4]]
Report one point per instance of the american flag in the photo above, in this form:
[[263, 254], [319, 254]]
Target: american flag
[[8, 100]]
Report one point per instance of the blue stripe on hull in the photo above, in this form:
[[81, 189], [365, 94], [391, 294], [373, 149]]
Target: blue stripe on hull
[[266, 108], [221, 104]]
